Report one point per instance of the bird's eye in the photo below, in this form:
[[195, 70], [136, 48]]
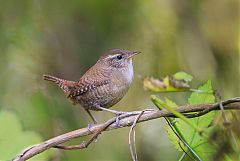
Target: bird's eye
[[119, 57]]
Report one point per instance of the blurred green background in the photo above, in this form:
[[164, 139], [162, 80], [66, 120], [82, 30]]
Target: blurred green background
[[65, 38]]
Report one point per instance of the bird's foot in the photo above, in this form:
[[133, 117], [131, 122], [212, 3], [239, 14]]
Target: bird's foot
[[118, 121], [90, 126], [112, 111], [118, 114]]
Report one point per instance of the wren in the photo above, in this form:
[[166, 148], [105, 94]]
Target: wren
[[103, 85]]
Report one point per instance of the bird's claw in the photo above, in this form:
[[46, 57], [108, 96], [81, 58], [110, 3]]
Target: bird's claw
[[118, 121], [119, 113], [89, 127]]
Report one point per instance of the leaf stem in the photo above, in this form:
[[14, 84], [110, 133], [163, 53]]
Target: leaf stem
[[160, 104]]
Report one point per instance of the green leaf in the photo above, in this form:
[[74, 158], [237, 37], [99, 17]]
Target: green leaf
[[203, 97], [13, 140], [183, 76], [171, 134], [199, 143], [170, 102], [160, 104]]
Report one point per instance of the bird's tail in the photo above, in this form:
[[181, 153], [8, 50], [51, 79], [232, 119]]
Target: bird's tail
[[65, 85]]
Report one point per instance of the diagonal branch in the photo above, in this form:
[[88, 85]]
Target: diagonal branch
[[124, 120]]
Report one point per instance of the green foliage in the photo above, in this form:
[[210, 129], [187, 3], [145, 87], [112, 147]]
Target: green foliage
[[161, 104], [197, 141], [171, 83], [14, 139], [183, 76], [202, 97], [170, 103]]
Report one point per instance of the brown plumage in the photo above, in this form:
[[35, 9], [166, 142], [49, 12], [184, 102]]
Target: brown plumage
[[103, 85]]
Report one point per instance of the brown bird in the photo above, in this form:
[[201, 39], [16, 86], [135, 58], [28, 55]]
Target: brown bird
[[103, 85]]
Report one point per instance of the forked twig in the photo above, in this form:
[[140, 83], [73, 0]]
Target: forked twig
[[87, 143]]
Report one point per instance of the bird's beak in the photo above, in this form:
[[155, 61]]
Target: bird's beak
[[133, 54]]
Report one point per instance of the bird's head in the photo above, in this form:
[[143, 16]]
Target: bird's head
[[118, 58]]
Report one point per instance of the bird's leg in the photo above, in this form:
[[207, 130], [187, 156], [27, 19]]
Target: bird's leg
[[94, 120], [117, 113], [112, 111], [89, 113]]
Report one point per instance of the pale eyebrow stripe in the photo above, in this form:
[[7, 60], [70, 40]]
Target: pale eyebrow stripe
[[112, 56]]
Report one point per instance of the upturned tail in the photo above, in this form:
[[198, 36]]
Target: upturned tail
[[65, 85]]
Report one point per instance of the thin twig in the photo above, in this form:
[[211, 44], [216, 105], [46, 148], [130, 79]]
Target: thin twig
[[85, 144], [132, 129], [225, 120], [219, 100], [197, 114]]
